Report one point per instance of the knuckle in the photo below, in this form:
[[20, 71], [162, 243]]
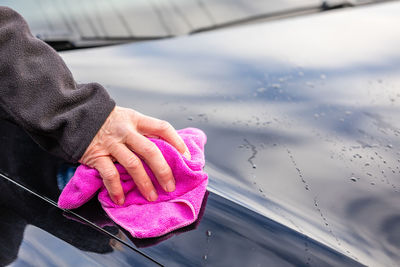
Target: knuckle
[[164, 126], [109, 175], [164, 173], [134, 114], [149, 149], [132, 163], [146, 185], [122, 131]]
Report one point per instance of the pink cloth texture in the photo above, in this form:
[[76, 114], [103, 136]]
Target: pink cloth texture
[[144, 219]]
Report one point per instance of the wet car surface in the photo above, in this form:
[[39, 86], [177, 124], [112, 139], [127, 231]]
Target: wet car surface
[[41, 234], [303, 133]]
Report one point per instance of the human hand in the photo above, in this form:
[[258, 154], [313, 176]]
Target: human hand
[[124, 131]]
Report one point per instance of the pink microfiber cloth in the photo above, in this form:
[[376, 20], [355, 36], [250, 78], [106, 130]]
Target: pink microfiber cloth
[[140, 217]]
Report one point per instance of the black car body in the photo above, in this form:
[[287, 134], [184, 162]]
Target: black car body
[[303, 152]]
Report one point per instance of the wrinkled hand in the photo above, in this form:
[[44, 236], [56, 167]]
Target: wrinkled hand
[[124, 131]]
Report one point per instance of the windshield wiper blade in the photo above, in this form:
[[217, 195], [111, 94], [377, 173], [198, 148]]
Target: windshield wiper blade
[[324, 6], [267, 16], [60, 44]]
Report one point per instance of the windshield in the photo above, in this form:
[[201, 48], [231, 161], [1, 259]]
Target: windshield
[[85, 22]]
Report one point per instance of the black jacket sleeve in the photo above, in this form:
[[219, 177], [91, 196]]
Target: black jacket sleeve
[[38, 92]]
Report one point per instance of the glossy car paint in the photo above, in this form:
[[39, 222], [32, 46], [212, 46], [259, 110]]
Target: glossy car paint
[[302, 123], [301, 117], [34, 231]]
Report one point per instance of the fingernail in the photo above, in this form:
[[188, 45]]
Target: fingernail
[[120, 201], [170, 186], [153, 196], [186, 154]]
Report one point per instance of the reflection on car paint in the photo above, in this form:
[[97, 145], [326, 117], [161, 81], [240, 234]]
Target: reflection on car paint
[[223, 228], [326, 92]]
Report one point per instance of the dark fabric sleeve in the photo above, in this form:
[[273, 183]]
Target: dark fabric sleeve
[[38, 92]]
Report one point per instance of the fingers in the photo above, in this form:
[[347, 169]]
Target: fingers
[[134, 167], [154, 158], [122, 133], [111, 181], [164, 130]]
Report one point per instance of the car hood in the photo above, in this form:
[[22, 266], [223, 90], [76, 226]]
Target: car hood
[[301, 117]]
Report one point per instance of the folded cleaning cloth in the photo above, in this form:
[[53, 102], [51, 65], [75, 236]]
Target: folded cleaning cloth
[[144, 219]]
